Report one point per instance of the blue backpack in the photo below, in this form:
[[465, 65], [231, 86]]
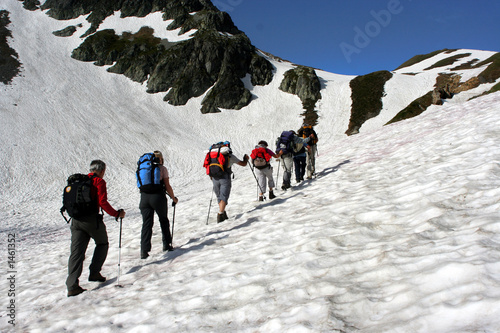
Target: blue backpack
[[285, 142], [148, 174]]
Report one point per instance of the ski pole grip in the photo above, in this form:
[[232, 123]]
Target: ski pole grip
[[117, 216]]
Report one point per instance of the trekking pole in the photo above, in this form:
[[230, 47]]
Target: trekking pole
[[254, 176], [173, 221], [278, 175], [119, 254], [209, 206]]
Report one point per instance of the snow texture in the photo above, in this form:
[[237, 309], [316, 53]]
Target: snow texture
[[399, 232]]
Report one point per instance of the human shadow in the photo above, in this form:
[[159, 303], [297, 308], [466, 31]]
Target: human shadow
[[330, 170], [178, 251], [212, 237]]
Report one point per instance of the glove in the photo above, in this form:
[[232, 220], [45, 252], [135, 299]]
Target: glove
[[119, 213]]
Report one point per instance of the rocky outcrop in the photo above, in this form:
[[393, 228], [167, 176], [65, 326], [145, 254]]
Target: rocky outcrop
[[217, 56], [447, 85], [416, 107], [492, 72], [66, 32], [303, 82], [207, 15], [448, 61], [366, 95], [31, 4], [188, 68], [9, 63]]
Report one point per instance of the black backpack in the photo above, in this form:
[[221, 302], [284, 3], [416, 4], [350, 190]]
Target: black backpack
[[77, 200], [306, 131]]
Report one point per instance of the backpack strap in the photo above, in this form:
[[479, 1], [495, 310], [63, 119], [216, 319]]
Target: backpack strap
[[138, 177], [62, 213], [153, 171]]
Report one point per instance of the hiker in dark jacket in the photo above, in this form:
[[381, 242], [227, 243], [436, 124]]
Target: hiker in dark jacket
[[156, 202], [287, 159], [299, 162], [83, 229]]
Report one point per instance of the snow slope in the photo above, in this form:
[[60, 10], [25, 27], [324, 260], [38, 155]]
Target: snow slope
[[399, 232]]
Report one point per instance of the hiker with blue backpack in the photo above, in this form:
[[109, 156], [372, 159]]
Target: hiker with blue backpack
[[286, 146], [153, 182], [218, 163]]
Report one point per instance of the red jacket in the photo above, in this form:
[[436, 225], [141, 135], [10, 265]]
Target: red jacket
[[99, 191]]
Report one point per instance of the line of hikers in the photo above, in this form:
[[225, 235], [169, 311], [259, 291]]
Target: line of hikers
[[293, 149], [85, 196]]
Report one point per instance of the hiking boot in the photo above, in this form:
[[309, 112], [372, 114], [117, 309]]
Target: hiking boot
[[76, 291], [271, 195], [285, 186], [97, 277], [144, 255], [221, 217], [168, 247], [261, 198]]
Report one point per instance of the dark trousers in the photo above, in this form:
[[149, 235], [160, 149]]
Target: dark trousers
[[81, 233], [300, 167], [151, 203]]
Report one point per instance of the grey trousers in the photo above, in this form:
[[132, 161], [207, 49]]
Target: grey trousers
[[311, 161], [287, 162], [222, 188], [264, 177], [81, 233]]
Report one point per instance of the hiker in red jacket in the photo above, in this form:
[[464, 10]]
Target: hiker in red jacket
[[92, 226], [261, 157]]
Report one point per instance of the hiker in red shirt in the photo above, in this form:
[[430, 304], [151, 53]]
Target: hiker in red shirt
[[261, 157]]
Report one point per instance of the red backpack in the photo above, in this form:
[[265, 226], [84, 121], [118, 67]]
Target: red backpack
[[260, 158], [217, 160]]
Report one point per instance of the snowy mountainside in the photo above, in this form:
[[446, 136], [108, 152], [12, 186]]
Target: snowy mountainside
[[54, 100], [399, 232]]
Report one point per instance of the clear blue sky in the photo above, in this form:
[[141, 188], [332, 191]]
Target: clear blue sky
[[358, 37]]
